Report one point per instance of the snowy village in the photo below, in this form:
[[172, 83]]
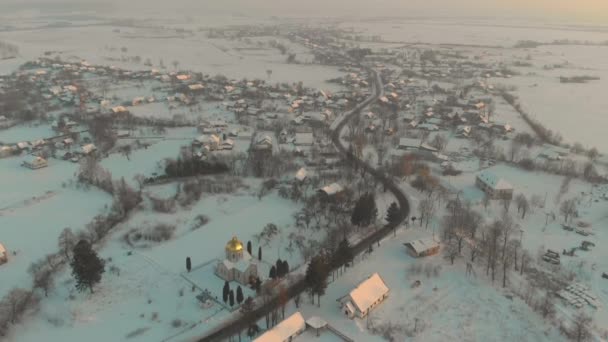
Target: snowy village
[[287, 180]]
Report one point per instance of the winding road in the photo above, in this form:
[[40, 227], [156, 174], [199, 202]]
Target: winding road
[[232, 327]]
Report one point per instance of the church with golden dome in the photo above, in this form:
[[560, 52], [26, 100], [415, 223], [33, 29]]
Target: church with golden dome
[[238, 265]]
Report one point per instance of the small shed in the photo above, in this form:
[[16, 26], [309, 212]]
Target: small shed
[[34, 162], [316, 323], [422, 247]]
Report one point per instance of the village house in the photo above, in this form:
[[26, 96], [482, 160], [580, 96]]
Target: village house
[[366, 296], [227, 144], [34, 162], [5, 151], [304, 139], [263, 143], [493, 186], [422, 247], [285, 331], [3, 255], [238, 265], [301, 175], [409, 144], [88, 149]]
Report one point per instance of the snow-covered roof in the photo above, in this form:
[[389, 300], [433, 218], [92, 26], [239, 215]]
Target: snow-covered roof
[[493, 181], [316, 322], [119, 109], [409, 143], [422, 245], [304, 139], [197, 86], [368, 292], [240, 265], [301, 174], [332, 189], [33, 160], [88, 148], [289, 327]]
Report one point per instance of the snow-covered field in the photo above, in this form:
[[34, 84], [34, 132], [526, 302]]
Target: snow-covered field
[[195, 52], [144, 300], [151, 280], [34, 208]]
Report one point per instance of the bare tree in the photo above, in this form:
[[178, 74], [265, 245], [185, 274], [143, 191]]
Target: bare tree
[[42, 275], [568, 209], [66, 242], [581, 328], [17, 302], [426, 209], [522, 205]]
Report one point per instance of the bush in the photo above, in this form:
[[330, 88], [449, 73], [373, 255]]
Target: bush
[[160, 232], [200, 221], [176, 323], [163, 205]]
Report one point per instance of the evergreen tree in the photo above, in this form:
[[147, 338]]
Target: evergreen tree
[[260, 253], [343, 254], [257, 285], [225, 291], [279, 268], [231, 298], [87, 267], [393, 215], [365, 211], [316, 276], [249, 248], [188, 264], [239, 295], [285, 268], [273, 273]]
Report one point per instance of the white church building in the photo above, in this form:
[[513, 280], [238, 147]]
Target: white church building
[[238, 265]]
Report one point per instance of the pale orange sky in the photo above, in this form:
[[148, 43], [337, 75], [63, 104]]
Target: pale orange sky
[[584, 11]]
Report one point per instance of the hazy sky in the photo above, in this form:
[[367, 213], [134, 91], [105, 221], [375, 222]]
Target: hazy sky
[[592, 11]]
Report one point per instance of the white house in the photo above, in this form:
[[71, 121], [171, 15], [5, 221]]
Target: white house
[[285, 331], [34, 162], [369, 294], [3, 254], [494, 186]]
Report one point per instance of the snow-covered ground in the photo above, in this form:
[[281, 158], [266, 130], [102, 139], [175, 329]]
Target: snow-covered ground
[[152, 279], [447, 305], [35, 207]]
